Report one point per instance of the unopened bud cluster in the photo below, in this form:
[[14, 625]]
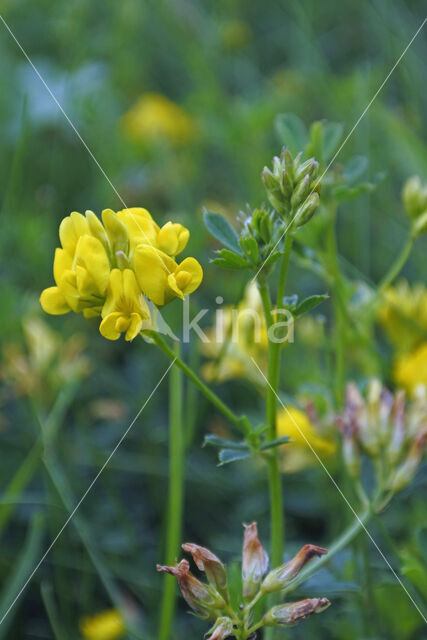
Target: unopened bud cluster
[[260, 236], [293, 187], [414, 197], [211, 600], [388, 429]]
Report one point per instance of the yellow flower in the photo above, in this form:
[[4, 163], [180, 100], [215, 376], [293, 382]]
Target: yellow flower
[[297, 454], [107, 625], [125, 309], [161, 278], [403, 314], [240, 334], [410, 369], [154, 117], [106, 268]]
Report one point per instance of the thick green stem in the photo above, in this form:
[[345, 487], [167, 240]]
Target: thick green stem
[[345, 538], [239, 421], [176, 495]]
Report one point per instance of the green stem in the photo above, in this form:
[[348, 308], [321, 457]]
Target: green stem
[[395, 268], [284, 267], [339, 328], [274, 479], [176, 495], [345, 538], [239, 421]]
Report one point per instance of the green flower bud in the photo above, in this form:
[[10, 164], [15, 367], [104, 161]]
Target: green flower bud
[[306, 210], [405, 473], [414, 196], [280, 577], [290, 614]]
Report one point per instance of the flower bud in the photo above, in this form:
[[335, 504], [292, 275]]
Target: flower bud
[[209, 563], [200, 597], [294, 612], [351, 455], [280, 577], [420, 225], [96, 229], [254, 561], [307, 209], [116, 231], [301, 191], [414, 196], [223, 628], [406, 471]]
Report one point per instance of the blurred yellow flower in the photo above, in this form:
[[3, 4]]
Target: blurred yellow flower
[[106, 268], [46, 363], [297, 454], [403, 314], [240, 334], [410, 369], [155, 117], [107, 625]]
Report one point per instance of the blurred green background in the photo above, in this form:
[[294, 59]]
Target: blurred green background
[[227, 68]]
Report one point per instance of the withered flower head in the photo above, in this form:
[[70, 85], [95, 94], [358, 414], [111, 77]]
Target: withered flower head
[[280, 577], [223, 628], [200, 597], [294, 612], [209, 563], [254, 561]]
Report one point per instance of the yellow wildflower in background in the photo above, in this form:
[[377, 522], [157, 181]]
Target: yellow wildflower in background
[[107, 625], [296, 454], [410, 369], [403, 314], [111, 268], [240, 335], [154, 117]]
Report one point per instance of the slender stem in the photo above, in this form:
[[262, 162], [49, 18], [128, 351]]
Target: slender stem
[[345, 538], [274, 479], [239, 421], [284, 266], [339, 328], [176, 495], [395, 268]]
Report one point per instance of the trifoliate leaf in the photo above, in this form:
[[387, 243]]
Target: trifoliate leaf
[[291, 132], [274, 443], [231, 455], [216, 441], [221, 229], [309, 303]]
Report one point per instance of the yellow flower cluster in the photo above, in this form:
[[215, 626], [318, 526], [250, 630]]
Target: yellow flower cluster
[[410, 369], [240, 334], [297, 454], [403, 314], [111, 268], [155, 117], [107, 625]]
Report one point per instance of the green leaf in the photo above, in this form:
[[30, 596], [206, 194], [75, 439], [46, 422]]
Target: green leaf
[[332, 134], [231, 455], [315, 147], [250, 247], [274, 443], [221, 229], [354, 168], [233, 258], [291, 132], [309, 303], [216, 441], [343, 192]]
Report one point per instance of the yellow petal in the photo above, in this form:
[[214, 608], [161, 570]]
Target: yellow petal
[[192, 267], [172, 238], [91, 255], [116, 230], [151, 270], [53, 302], [134, 327], [107, 328], [96, 228], [140, 225], [70, 230], [61, 263]]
